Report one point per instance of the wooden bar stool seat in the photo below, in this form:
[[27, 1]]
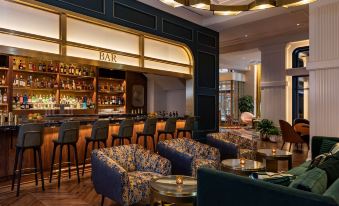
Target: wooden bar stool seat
[[99, 134], [68, 136], [148, 131], [125, 132], [30, 137]]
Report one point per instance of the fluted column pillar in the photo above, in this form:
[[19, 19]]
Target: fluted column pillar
[[324, 68]]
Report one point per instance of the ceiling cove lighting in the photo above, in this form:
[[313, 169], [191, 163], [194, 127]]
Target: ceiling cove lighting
[[262, 4], [233, 9], [173, 3], [293, 3], [200, 4]]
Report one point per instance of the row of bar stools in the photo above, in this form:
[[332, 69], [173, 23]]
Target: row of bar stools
[[148, 131], [99, 134], [125, 132], [68, 135], [30, 137]]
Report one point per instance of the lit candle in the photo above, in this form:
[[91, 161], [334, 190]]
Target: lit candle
[[274, 150], [179, 180], [242, 161]]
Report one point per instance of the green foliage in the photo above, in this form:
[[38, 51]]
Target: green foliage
[[274, 131], [246, 104], [265, 127]]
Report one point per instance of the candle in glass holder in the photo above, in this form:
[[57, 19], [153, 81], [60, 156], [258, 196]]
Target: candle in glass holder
[[274, 151], [242, 161], [179, 180]]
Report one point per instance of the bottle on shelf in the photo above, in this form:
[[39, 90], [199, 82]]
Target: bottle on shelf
[[15, 66], [4, 97]]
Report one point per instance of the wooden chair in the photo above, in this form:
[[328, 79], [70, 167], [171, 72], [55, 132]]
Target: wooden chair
[[289, 135]]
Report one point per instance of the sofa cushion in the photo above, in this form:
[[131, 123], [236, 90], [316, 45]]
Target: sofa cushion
[[319, 160], [335, 148], [124, 155], [331, 167], [301, 169], [333, 191], [326, 146], [314, 180], [139, 185]]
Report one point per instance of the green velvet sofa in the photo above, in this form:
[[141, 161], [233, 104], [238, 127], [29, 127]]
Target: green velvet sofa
[[221, 189]]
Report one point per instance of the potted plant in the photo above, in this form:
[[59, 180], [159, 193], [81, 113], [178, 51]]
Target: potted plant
[[274, 134], [246, 104], [264, 127]]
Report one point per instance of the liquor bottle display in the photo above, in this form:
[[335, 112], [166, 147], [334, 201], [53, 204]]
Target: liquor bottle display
[[41, 84]]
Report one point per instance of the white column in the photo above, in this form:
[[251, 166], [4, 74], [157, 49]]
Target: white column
[[273, 83], [324, 68]]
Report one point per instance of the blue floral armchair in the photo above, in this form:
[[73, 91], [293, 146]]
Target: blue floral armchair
[[187, 155], [124, 173]]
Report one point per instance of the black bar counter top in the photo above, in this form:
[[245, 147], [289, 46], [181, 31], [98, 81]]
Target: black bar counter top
[[85, 119]]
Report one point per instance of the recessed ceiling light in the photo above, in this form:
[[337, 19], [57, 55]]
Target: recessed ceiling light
[[246, 35], [298, 24]]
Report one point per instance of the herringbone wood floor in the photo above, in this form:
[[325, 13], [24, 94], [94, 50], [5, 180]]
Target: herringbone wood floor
[[84, 194]]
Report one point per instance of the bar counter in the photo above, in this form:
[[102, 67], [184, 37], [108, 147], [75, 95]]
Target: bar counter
[[52, 123]]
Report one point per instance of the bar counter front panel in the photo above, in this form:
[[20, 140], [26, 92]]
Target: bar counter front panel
[[7, 154]]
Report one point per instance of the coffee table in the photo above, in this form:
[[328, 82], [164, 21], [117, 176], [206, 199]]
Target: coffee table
[[165, 189], [234, 166], [271, 158]]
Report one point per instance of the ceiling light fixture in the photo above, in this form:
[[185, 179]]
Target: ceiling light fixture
[[200, 4], [261, 4], [173, 3], [222, 9]]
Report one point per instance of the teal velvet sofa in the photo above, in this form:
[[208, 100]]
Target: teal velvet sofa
[[216, 188], [219, 188]]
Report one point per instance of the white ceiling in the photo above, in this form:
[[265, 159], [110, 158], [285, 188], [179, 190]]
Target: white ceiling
[[218, 23], [240, 60]]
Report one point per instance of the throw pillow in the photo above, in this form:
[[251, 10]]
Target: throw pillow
[[326, 146], [335, 148], [314, 181], [331, 167], [318, 160]]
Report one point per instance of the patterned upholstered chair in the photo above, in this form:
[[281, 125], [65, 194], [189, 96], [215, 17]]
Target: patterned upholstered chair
[[187, 155], [123, 173], [231, 145]]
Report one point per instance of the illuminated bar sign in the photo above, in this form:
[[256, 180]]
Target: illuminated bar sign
[[108, 57]]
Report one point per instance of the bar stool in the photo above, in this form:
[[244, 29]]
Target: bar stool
[[30, 137], [189, 126], [99, 134], [171, 124], [148, 131], [68, 135], [125, 132]]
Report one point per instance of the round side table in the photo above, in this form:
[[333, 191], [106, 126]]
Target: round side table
[[271, 158], [234, 166], [165, 189]]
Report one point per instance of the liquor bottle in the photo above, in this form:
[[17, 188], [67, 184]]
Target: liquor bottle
[[23, 65], [29, 81], [61, 68], [21, 99], [0, 98], [3, 80], [4, 97], [111, 88], [56, 69], [30, 66], [34, 67], [15, 66], [20, 65], [40, 67], [44, 67]]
